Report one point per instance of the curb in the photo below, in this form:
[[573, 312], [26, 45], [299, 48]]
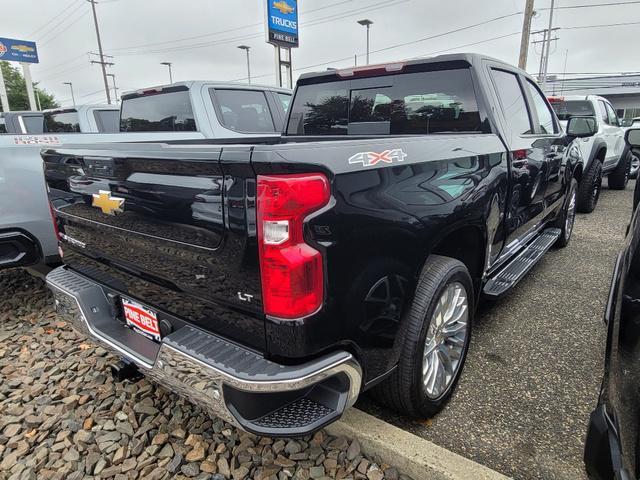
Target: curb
[[410, 454]]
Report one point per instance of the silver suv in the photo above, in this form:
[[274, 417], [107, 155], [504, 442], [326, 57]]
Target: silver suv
[[604, 154]]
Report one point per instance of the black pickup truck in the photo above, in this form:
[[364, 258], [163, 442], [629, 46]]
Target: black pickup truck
[[272, 281]]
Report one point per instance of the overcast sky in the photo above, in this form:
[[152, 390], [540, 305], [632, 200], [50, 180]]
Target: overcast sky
[[200, 37]]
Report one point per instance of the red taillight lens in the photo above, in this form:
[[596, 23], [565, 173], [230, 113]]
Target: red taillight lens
[[54, 219], [291, 271]]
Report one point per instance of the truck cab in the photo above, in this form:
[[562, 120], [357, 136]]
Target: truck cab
[[605, 153]]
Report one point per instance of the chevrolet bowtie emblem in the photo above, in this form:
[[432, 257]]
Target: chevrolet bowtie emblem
[[108, 204]]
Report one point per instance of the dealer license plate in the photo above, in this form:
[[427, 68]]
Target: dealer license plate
[[141, 319]]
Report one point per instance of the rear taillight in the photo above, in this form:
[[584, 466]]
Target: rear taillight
[[54, 219], [291, 270]]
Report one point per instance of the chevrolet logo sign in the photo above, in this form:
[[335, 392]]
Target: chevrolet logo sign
[[108, 204], [284, 7]]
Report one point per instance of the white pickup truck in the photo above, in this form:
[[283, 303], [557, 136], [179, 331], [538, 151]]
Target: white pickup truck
[[183, 112], [605, 153], [80, 119]]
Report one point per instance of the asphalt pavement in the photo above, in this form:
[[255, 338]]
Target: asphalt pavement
[[536, 358]]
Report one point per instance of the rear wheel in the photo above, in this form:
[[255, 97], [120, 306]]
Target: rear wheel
[[437, 335], [568, 216], [589, 188], [635, 166], [619, 178]]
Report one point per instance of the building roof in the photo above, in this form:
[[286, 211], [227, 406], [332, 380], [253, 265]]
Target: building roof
[[610, 85]]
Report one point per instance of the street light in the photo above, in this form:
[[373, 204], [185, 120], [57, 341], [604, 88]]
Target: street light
[[115, 89], [168, 64], [72, 96], [246, 49], [366, 23]]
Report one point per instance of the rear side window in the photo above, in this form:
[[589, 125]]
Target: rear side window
[[164, 112], [545, 115], [411, 103], [512, 102], [613, 118], [604, 116], [108, 121], [63, 122], [572, 108], [245, 111], [33, 123]]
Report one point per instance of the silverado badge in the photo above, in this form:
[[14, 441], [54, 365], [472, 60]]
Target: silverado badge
[[108, 204]]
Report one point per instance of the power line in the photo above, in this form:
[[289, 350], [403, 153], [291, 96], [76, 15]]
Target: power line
[[67, 27], [601, 25], [613, 4], [358, 11], [48, 22], [195, 37], [53, 27]]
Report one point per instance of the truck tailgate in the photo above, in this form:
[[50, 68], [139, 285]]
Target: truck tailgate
[[167, 225]]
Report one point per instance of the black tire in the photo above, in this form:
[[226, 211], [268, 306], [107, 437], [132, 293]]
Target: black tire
[[567, 218], [619, 178], [403, 390], [589, 188]]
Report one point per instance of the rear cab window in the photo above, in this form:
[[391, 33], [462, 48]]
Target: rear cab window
[[426, 102], [62, 122], [565, 109], [166, 110], [243, 111]]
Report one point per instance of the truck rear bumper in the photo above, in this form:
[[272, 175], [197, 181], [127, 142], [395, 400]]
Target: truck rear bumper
[[226, 379], [17, 249]]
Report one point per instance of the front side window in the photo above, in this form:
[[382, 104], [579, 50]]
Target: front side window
[[512, 101], [245, 111], [604, 116], [164, 112], [403, 104], [611, 114], [545, 115], [63, 122]]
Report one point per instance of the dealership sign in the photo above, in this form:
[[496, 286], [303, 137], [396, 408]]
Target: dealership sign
[[282, 22], [13, 50]]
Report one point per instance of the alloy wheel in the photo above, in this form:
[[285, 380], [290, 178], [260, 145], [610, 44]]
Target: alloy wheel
[[571, 214], [445, 340]]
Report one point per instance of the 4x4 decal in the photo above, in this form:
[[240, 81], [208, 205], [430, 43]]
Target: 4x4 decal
[[369, 159]]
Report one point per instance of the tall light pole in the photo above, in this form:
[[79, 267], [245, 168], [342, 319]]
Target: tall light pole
[[102, 62], [246, 48], [73, 98], [168, 64], [115, 89], [366, 23]]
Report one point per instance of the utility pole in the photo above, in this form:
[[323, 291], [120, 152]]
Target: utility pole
[[73, 97], [168, 64], [526, 33], [246, 48], [546, 56], [546, 46], [102, 63], [26, 71], [367, 23], [115, 89]]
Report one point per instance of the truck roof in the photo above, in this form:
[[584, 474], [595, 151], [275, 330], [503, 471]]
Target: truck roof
[[196, 84], [464, 59], [80, 108]]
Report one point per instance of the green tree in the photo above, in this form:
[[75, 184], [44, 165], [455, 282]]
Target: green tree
[[17, 90]]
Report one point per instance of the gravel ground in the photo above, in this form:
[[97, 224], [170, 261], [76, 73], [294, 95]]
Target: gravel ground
[[63, 417], [536, 358]]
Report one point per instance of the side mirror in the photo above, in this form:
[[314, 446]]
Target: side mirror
[[632, 137], [581, 127]]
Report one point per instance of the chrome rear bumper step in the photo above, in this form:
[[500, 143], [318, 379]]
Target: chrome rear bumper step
[[226, 379]]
